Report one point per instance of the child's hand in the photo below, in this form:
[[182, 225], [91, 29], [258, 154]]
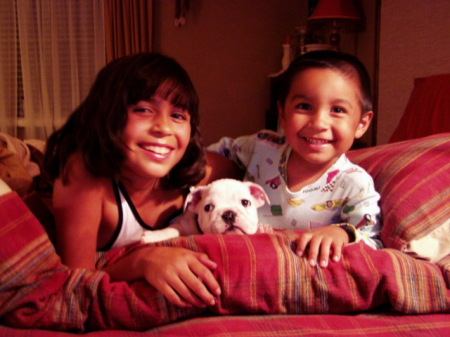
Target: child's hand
[[183, 276], [322, 243]]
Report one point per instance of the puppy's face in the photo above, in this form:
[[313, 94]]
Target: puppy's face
[[227, 206]]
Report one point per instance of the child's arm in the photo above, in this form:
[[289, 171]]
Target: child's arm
[[238, 150], [219, 167], [361, 216], [183, 276], [318, 244], [360, 221], [78, 211]]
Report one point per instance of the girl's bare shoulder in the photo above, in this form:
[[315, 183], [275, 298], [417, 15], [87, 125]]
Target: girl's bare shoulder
[[78, 182]]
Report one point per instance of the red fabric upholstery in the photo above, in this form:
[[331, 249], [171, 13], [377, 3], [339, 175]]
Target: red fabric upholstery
[[413, 178], [310, 325], [427, 111], [363, 325], [258, 274]]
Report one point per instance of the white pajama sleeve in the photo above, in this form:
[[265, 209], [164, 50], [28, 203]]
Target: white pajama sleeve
[[364, 217], [239, 150]]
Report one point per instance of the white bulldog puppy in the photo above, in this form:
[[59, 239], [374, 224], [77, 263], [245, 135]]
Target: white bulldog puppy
[[225, 206]]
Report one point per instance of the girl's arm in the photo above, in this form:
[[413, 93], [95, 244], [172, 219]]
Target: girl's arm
[[78, 211], [183, 276]]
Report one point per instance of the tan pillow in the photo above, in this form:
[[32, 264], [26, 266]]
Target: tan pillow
[[13, 172], [433, 246]]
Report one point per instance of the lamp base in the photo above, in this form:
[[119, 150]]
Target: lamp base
[[335, 39]]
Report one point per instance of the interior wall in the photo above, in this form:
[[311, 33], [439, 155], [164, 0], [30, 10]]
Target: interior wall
[[366, 49], [414, 42], [229, 48]]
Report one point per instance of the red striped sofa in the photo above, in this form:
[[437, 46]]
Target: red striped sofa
[[402, 290]]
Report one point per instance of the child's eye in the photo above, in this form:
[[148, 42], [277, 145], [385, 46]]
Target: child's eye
[[142, 110], [303, 106], [181, 115], [338, 110]]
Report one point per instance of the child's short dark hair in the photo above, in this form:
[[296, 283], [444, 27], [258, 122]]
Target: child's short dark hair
[[344, 63], [95, 128]]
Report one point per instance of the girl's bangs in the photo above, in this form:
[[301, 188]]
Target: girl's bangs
[[177, 94]]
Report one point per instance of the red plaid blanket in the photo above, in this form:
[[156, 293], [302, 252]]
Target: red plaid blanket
[[258, 274]]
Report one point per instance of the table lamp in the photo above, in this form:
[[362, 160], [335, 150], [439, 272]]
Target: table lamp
[[335, 16]]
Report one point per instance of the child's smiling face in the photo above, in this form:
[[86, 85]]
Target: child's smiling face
[[321, 116], [157, 135]]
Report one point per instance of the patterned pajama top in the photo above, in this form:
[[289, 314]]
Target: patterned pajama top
[[344, 195]]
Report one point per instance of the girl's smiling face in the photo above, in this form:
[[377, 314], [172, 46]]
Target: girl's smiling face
[[321, 116], [156, 135]]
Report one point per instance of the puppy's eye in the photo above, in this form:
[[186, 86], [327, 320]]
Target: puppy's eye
[[245, 202], [208, 208]]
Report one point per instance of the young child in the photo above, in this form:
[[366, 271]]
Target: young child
[[122, 164], [324, 104]]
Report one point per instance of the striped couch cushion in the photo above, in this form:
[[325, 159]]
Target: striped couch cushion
[[413, 178], [258, 274]]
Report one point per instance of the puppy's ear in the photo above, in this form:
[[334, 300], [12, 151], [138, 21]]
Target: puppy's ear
[[193, 198], [258, 193]]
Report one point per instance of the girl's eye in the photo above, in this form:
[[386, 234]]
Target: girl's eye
[[303, 106], [142, 110], [180, 115]]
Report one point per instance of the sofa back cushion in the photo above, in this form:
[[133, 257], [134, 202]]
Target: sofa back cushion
[[427, 110], [413, 178]]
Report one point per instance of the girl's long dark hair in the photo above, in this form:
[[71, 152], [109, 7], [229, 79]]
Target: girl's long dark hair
[[95, 128]]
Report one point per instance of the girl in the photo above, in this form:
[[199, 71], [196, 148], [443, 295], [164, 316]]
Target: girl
[[324, 104], [121, 164]]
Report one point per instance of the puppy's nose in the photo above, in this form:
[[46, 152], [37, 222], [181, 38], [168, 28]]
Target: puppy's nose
[[229, 217]]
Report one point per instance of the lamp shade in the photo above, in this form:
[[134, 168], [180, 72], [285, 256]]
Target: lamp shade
[[343, 12]]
